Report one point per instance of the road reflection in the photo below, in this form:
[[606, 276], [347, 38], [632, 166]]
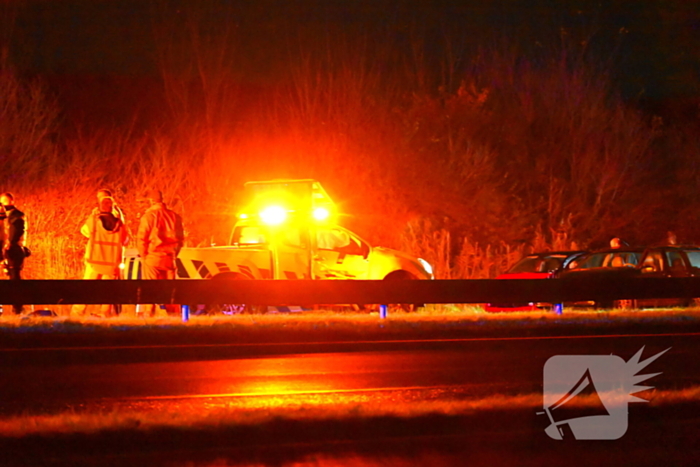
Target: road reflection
[[273, 381], [312, 373], [292, 374], [275, 376]]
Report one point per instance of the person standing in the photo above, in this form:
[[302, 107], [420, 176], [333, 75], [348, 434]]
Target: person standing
[[116, 210], [671, 238], [159, 240], [107, 236], [616, 243], [13, 249]]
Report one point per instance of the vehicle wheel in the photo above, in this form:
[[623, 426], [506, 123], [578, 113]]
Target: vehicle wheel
[[233, 308], [406, 307]]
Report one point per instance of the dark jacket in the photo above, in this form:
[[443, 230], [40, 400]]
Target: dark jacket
[[160, 236], [13, 232], [14, 228]]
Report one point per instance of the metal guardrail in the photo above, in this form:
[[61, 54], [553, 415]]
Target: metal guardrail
[[302, 292]]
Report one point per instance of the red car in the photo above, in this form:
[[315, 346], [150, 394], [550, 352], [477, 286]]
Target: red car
[[535, 266]]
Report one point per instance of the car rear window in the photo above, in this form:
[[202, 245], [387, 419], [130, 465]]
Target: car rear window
[[610, 259], [693, 257], [546, 263], [527, 264]]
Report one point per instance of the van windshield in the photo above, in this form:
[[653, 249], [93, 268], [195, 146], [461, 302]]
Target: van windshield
[[249, 235], [260, 235]]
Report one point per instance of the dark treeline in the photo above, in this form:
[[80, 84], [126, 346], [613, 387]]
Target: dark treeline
[[466, 134]]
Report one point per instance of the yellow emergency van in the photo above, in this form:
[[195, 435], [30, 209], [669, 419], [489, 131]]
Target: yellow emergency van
[[289, 230]]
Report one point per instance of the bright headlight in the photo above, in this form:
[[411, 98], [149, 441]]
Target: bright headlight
[[426, 265]]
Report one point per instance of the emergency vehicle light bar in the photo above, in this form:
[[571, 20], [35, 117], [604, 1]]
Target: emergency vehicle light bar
[[276, 215], [273, 215], [275, 200]]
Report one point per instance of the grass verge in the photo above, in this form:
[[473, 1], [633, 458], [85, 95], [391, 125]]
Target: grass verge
[[441, 322], [201, 418]]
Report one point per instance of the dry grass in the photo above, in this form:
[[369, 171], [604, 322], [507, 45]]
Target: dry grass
[[221, 417], [431, 317]]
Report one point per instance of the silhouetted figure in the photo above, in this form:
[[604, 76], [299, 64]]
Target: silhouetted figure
[[618, 243], [671, 238], [13, 249]]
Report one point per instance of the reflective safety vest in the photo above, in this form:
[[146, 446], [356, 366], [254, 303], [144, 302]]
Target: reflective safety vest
[[105, 248]]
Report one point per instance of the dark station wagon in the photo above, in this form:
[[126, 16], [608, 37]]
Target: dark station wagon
[[661, 261]]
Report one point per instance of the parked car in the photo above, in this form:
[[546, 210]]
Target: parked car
[[546, 265], [662, 261]]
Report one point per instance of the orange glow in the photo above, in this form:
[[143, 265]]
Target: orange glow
[[303, 199], [277, 381], [321, 214], [273, 215]]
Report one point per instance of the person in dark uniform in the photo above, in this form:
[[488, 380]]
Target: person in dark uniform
[[159, 240], [13, 249]]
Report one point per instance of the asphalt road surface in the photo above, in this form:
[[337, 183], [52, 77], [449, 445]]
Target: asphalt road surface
[[38, 380], [166, 378]]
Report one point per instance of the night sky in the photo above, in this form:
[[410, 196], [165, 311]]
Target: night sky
[[651, 46]]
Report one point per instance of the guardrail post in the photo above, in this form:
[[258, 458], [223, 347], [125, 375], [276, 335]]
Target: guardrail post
[[558, 308], [185, 313], [382, 311]]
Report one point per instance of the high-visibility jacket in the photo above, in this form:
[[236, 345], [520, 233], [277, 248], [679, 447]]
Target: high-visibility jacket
[[160, 236], [107, 236]]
